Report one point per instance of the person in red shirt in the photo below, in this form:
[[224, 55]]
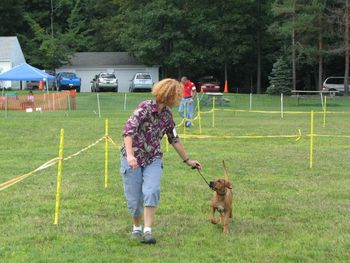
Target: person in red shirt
[[188, 94]]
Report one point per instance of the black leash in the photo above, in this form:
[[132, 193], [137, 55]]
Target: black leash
[[195, 167]]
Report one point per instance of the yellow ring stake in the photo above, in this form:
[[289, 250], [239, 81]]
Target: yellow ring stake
[[106, 153], [213, 109], [185, 118], [199, 116], [324, 111], [311, 138], [166, 143], [59, 177]]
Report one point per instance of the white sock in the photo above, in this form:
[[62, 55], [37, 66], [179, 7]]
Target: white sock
[[137, 228], [147, 229]]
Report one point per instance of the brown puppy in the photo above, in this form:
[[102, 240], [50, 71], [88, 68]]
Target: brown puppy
[[221, 201]]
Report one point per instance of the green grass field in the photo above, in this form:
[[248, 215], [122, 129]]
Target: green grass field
[[282, 212]]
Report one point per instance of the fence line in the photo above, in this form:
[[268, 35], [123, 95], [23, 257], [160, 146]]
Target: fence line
[[38, 102], [198, 117], [46, 165], [312, 134]]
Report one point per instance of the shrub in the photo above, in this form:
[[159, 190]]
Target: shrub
[[280, 78]]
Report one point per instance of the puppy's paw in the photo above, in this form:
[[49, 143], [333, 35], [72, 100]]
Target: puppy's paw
[[213, 221], [226, 230]]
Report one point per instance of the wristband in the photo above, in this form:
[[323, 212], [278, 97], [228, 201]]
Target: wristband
[[185, 161]]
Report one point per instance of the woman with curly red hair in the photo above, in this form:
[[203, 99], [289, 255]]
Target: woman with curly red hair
[[141, 160]]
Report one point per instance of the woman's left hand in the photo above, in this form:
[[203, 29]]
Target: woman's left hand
[[194, 164]]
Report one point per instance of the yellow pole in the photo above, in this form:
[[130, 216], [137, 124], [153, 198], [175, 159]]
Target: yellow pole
[[324, 111], [185, 120], [166, 143], [213, 112], [59, 177], [199, 116], [106, 153], [311, 139]]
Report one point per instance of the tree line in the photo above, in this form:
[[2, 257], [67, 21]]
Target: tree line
[[247, 40]]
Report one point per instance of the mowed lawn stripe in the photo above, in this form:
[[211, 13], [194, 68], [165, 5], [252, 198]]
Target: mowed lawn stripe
[[282, 212]]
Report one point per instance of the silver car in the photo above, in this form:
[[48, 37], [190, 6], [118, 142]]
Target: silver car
[[104, 82], [142, 81]]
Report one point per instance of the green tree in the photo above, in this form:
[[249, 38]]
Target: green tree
[[103, 20], [10, 11], [280, 78], [155, 34], [42, 50], [50, 51], [347, 45], [187, 36], [287, 25], [339, 17]]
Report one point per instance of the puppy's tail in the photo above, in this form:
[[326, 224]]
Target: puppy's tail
[[225, 170]]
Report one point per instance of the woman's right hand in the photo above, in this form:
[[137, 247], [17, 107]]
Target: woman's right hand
[[132, 161]]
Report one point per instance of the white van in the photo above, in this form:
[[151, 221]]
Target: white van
[[334, 83]]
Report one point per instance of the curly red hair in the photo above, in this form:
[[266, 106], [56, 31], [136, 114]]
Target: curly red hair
[[168, 92]]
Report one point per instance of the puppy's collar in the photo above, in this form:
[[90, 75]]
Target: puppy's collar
[[222, 194]]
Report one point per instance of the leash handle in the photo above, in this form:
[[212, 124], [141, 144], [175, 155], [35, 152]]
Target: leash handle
[[197, 168]]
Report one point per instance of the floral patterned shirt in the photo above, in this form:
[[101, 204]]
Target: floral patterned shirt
[[147, 126]]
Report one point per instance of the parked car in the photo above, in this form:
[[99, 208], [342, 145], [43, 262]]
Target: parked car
[[104, 82], [209, 84], [334, 84], [142, 81], [32, 85], [68, 81], [52, 83]]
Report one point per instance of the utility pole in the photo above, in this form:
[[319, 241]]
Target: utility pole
[[258, 45], [51, 18], [293, 47], [347, 46]]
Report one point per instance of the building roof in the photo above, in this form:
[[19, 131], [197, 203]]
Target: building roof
[[7, 47], [86, 59]]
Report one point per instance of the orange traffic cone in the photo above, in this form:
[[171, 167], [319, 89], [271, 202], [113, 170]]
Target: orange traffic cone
[[226, 87], [41, 85]]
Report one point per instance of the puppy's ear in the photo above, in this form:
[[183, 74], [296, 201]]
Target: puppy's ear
[[228, 185]]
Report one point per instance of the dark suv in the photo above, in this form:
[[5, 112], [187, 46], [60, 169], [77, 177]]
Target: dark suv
[[104, 82]]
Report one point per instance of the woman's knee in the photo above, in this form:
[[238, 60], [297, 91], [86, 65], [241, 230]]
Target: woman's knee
[[151, 196], [135, 207]]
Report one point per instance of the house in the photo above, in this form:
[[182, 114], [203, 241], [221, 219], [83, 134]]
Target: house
[[11, 55], [88, 64]]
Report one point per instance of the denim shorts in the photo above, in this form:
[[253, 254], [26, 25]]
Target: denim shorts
[[141, 186]]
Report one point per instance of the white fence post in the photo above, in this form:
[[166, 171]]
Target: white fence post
[[98, 105], [250, 101], [68, 98], [6, 105], [282, 105]]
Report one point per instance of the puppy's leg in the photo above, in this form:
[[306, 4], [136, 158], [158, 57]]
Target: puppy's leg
[[212, 215], [221, 218], [225, 222]]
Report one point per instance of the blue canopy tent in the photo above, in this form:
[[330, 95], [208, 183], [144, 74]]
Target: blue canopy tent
[[26, 72]]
